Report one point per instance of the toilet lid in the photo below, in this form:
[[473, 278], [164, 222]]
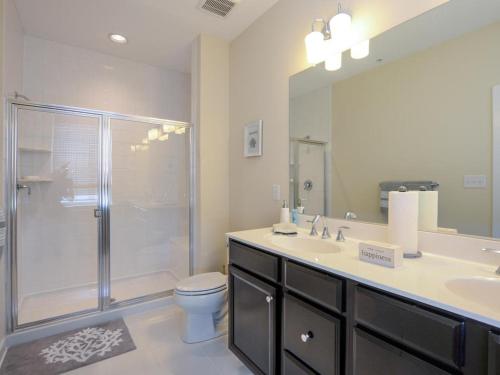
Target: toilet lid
[[204, 282]]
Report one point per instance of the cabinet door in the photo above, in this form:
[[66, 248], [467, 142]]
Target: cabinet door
[[252, 321], [373, 356], [493, 354]]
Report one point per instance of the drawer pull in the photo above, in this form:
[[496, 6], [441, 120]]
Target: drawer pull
[[269, 299], [305, 337]]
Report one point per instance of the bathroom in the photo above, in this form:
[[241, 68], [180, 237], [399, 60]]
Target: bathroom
[[250, 186]]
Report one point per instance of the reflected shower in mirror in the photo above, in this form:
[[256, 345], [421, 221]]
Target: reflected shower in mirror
[[423, 111]]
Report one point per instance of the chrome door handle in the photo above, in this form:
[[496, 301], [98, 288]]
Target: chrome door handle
[[19, 187], [269, 299]]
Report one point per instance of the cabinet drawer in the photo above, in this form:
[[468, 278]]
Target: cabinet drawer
[[373, 356], [292, 366], [314, 285], [493, 354], [256, 261], [311, 335], [432, 334]]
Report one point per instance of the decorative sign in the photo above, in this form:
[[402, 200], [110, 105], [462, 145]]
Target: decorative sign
[[383, 254]]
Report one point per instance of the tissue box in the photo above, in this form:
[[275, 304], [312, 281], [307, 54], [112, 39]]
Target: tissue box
[[380, 253]]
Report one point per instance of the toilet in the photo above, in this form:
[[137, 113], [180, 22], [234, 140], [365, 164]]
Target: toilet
[[203, 300]]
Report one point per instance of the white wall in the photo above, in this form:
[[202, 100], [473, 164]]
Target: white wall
[[210, 72], [262, 59], [60, 74]]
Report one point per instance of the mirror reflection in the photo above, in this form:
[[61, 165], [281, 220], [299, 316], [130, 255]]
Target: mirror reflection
[[422, 111]]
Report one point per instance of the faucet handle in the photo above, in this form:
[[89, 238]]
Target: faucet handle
[[326, 232], [340, 235]]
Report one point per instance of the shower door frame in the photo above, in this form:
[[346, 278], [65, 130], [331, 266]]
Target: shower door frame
[[104, 302]]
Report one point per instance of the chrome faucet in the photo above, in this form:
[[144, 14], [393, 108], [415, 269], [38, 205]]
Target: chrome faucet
[[314, 221], [326, 232], [349, 215], [488, 250], [340, 235]]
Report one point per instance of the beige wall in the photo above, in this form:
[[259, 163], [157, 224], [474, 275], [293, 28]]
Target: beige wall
[[261, 61], [210, 115], [427, 116]]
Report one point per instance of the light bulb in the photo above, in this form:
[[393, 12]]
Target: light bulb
[[163, 137], [168, 128], [340, 27], [153, 134], [361, 50], [180, 130], [145, 141], [333, 60], [315, 47], [132, 148]]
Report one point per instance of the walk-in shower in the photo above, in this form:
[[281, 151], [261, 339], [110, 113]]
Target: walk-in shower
[[98, 210]]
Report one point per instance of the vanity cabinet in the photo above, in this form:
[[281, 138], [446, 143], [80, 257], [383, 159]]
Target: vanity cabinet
[[289, 318]]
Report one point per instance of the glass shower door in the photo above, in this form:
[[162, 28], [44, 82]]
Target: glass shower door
[[148, 208], [56, 233]]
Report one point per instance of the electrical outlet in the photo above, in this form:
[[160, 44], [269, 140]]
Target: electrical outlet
[[276, 192], [475, 181]]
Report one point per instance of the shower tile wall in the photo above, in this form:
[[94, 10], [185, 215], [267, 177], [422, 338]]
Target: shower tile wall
[[60, 74]]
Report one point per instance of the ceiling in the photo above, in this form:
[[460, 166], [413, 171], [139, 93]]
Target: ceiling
[[160, 32]]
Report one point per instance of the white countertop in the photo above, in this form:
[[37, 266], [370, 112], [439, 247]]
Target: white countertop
[[423, 279]]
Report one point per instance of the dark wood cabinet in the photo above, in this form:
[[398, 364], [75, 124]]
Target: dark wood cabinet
[[373, 356], [289, 318], [312, 335], [493, 354], [252, 306]]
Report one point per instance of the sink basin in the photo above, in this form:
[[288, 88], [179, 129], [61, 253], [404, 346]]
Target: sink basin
[[481, 290], [310, 245]]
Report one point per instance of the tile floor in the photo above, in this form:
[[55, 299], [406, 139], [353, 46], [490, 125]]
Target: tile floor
[[46, 305], [161, 351]]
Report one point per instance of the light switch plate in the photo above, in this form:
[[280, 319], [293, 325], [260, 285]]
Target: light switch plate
[[276, 192], [475, 181]]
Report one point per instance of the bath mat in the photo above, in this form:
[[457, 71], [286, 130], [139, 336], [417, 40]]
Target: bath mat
[[69, 350]]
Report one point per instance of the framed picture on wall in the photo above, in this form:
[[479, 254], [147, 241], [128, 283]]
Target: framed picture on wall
[[253, 139]]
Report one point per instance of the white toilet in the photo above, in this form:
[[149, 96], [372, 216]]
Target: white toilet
[[203, 298]]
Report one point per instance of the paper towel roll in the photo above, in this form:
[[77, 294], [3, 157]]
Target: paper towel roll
[[428, 210], [403, 220]]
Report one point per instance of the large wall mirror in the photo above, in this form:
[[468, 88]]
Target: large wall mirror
[[423, 110]]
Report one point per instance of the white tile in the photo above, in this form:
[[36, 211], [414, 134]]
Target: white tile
[[161, 351]]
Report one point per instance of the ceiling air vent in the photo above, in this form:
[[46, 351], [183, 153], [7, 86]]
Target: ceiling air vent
[[220, 8]]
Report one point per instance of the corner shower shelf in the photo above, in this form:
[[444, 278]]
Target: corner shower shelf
[[35, 149], [39, 179]]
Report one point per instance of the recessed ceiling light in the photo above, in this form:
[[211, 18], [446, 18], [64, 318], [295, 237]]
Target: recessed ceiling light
[[117, 38]]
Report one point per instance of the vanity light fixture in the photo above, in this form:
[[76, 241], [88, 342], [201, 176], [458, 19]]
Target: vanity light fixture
[[118, 38], [335, 37]]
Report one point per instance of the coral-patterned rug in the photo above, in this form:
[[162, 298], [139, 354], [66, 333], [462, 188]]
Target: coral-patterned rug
[[69, 350]]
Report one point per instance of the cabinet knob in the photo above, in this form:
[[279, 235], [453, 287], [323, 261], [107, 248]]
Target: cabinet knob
[[269, 299], [305, 337]]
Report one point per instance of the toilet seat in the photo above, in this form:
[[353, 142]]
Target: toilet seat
[[202, 284]]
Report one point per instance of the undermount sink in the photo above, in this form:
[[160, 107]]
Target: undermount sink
[[481, 290], [311, 245]]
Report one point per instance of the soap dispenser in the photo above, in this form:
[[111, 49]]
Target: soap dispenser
[[285, 213]]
